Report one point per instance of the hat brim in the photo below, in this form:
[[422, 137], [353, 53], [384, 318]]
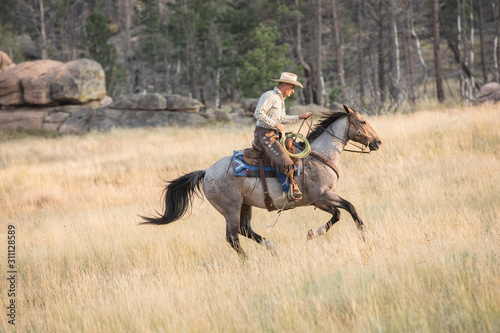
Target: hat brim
[[295, 83]]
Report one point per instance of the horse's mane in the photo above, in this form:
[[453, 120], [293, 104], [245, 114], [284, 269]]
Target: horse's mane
[[325, 121]]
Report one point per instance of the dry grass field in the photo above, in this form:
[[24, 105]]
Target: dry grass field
[[429, 199]]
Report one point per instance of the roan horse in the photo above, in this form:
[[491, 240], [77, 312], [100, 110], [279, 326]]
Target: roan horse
[[234, 197]]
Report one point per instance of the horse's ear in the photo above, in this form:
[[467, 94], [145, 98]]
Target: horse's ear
[[347, 109]]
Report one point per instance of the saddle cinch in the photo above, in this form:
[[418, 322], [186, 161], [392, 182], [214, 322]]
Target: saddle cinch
[[254, 156]]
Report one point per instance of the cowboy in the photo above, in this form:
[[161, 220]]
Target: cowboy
[[271, 115]]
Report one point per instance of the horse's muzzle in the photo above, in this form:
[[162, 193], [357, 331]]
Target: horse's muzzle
[[374, 144]]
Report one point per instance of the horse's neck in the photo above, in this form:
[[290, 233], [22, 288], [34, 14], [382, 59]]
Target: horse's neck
[[330, 146]]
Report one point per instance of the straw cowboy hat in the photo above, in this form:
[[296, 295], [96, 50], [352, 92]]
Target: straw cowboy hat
[[288, 78]]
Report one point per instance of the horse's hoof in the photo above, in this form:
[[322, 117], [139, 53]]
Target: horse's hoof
[[362, 235], [270, 246], [310, 234]]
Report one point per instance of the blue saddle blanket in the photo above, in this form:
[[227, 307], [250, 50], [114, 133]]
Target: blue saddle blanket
[[243, 169]]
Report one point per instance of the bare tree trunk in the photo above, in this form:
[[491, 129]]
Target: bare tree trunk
[[394, 57], [481, 40], [218, 71], [409, 55], [338, 50], [43, 36], [307, 69], [422, 62], [381, 60], [360, 55], [125, 13], [189, 60], [495, 43], [319, 65], [168, 67], [459, 47], [375, 91], [126, 46], [462, 58], [472, 83], [437, 56]]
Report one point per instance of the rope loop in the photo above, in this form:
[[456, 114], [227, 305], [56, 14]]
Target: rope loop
[[307, 145]]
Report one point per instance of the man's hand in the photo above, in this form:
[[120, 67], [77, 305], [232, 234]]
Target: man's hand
[[306, 115], [279, 127]]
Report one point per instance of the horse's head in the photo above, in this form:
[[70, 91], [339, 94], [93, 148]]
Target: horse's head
[[361, 131]]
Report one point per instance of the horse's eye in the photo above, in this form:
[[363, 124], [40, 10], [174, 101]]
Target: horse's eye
[[363, 122]]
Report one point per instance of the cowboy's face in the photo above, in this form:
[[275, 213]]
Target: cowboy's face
[[289, 90]]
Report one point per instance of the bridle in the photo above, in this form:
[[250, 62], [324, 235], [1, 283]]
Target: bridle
[[351, 123]]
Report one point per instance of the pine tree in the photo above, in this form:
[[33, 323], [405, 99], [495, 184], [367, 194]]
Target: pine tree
[[97, 45], [264, 60], [151, 41]]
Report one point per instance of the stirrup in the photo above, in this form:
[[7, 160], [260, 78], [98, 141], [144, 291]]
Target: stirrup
[[294, 193]]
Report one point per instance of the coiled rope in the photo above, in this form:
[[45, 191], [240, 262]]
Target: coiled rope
[[307, 145]]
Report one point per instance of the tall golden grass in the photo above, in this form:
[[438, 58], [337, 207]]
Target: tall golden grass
[[431, 260]]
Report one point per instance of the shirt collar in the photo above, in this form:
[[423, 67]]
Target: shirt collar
[[278, 91]]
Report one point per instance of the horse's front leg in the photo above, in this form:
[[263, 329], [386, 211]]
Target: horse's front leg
[[331, 205]]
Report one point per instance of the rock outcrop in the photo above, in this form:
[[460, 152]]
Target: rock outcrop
[[490, 92], [131, 111], [140, 102], [78, 82], [11, 89], [5, 62], [44, 82], [186, 104], [71, 98]]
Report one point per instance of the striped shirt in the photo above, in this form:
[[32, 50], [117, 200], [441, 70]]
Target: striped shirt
[[271, 110]]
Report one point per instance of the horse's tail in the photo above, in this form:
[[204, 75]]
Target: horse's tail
[[178, 197]]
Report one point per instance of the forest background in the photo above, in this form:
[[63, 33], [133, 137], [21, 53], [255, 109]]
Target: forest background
[[378, 55]]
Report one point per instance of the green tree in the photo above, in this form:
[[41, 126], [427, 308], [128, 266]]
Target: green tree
[[9, 45], [152, 42], [98, 47], [264, 60]]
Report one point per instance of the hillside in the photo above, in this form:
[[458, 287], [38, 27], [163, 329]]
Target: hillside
[[381, 56]]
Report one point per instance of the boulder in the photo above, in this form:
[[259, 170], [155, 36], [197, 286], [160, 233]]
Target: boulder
[[54, 119], [181, 103], [78, 121], [249, 105], [105, 119], [140, 102], [488, 89], [220, 115], [106, 101], [79, 81], [133, 119], [11, 90], [5, 62], [488, 92], [37, 88], [23, 118]]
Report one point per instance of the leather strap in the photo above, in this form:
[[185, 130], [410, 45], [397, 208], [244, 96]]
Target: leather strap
[[267, 198], [325, 160]]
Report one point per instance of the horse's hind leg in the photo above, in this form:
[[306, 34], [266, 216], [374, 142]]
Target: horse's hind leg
[[324, 228], [232, 228], [331, 201], [246, 228]]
